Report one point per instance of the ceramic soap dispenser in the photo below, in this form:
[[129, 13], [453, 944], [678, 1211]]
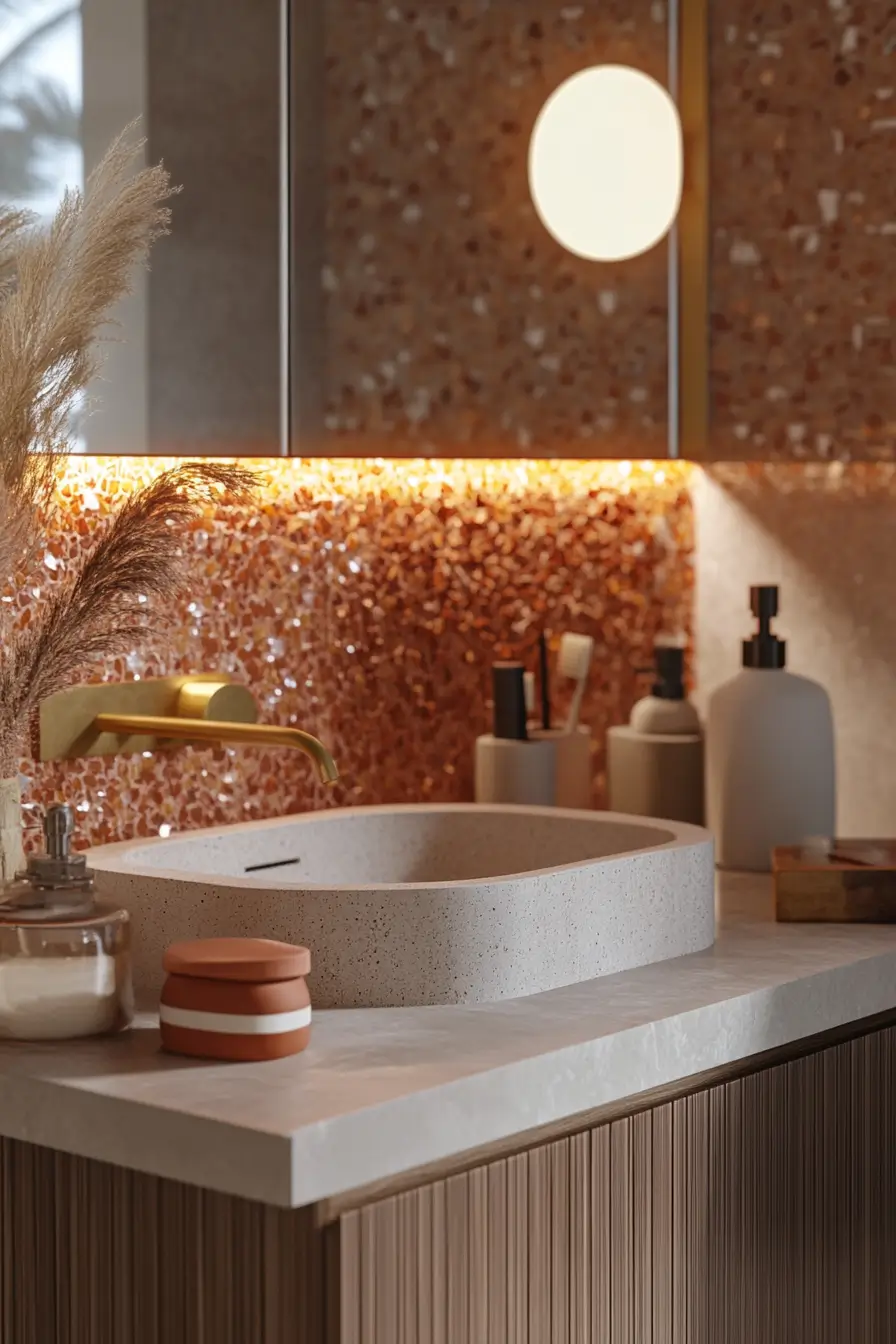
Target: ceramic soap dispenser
[[655, 761], [770, 753]]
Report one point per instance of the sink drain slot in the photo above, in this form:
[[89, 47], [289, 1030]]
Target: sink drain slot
[[276, 863]]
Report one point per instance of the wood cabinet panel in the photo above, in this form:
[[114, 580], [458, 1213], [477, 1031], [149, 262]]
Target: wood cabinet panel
[[761, 1208], [94, 1254]]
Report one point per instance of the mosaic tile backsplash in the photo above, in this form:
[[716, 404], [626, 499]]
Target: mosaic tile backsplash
[[365, 601]]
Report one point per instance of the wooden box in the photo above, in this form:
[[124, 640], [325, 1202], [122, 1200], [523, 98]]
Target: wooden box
[[855, 882]]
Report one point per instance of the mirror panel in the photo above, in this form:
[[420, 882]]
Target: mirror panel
[[452, 322], [215, 289], [372, 234], [803, 196], [198, 370]]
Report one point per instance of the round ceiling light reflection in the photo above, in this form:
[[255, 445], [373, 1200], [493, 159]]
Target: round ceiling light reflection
[[606, 163]]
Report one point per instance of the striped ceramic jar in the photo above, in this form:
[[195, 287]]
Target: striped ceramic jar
[[238, 999]]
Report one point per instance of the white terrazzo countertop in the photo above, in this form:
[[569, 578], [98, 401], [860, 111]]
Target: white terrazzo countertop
[[383, 1091]]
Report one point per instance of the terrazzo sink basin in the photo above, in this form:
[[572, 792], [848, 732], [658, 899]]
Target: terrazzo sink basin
[[425, 904]]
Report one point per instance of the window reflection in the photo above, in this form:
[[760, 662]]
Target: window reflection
[[40, 102]]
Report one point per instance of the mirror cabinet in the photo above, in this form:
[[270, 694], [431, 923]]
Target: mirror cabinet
[[357, 265]]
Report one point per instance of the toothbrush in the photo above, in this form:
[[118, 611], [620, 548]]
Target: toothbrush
[[574, 662], [529, 689]]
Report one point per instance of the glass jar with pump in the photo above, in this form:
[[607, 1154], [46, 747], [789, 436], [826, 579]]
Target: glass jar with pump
[[65, 963]]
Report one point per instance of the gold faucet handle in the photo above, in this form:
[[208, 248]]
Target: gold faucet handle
[[222, 700]]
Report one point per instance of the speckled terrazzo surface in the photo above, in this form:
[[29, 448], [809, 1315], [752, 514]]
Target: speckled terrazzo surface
[[412, 906], [381, 1092], [803, 199], [364, 601], [452, 316]]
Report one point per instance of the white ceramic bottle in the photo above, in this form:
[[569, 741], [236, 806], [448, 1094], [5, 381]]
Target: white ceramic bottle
[[769, 753]]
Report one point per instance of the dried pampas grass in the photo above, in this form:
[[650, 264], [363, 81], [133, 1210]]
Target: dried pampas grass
[[57, 287], [100, 611]]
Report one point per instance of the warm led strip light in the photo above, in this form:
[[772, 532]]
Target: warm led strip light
[[87, 482], [236, 1024]]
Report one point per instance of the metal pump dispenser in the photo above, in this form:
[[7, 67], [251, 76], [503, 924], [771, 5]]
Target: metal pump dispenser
[[56, 884], [58, 869]]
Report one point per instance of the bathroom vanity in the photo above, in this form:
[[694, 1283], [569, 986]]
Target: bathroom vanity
[[695, 1150]]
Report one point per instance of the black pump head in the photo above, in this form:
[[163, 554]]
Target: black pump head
[[764, 650], [764, 602], [669, 660]]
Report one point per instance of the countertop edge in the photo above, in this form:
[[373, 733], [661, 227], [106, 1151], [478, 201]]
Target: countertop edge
[[134, 1134], [762, 1020]]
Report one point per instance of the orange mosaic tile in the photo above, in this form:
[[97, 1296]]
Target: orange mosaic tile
[[364, 601]]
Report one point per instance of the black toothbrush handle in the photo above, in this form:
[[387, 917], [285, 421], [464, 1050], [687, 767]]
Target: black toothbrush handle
[[509, 692], [544, 679]]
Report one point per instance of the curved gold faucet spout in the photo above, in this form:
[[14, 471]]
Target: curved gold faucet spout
[[214, 730]]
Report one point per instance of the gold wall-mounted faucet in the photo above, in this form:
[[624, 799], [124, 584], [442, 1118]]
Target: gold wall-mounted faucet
[[114, 719]]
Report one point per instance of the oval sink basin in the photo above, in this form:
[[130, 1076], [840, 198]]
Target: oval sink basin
[[425, 904]]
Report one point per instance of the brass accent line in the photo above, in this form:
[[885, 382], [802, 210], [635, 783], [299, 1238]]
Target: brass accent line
[[693, 232], [207, 730]]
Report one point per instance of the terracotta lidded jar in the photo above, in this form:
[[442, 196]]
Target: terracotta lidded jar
[[238, 999]]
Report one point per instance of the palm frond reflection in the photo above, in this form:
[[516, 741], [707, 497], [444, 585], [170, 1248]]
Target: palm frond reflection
[[40, 101]]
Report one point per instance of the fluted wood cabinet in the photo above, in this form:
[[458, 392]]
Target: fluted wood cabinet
[[760, 1208]]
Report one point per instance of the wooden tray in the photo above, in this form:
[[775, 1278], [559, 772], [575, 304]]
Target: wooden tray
[[855, 883]]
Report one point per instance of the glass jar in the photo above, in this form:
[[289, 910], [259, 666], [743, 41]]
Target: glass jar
[[65, 959]]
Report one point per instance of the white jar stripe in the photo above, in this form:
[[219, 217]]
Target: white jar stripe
[[236, 1024]]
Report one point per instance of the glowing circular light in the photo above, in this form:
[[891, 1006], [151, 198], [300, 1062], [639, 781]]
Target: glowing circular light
[[606, 163]]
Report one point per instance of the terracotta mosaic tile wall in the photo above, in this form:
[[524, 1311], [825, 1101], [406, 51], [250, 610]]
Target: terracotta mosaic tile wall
[[803, 198], [365, 601], [453, 319]]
